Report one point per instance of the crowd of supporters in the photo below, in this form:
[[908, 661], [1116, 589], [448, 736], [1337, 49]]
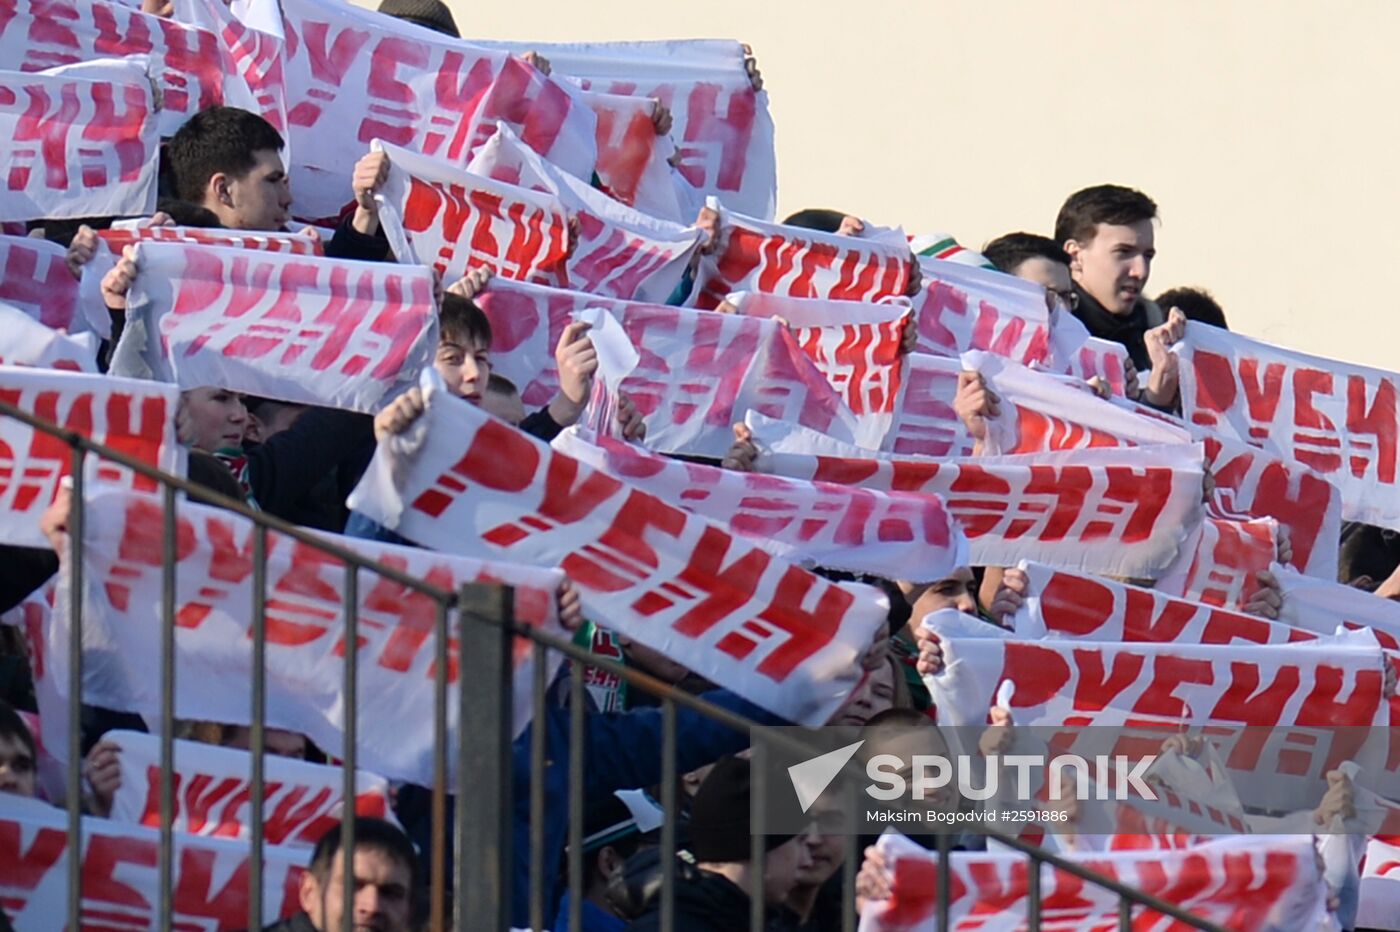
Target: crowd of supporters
[[226, 168]]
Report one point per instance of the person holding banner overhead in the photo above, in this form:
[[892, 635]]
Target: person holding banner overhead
[[229, 161]]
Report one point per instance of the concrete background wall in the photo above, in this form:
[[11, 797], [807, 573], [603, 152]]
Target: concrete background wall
[[1266, 131]]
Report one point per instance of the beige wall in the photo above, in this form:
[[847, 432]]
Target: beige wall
[[1266, 131]]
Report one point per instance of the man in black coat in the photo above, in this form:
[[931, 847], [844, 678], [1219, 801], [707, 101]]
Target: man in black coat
[[715, 898], [385, 876]]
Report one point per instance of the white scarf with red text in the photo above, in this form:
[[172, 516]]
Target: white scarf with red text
[[305, 630], [776, 634]]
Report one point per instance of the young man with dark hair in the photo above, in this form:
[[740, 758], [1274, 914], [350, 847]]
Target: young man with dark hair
[[463, 360], [1107, 232], [1196, 303], [1036, 259], [385, 870], [19, 757], [502, 399], [816, 218], [229, 162], [463, 356], [715, 898]]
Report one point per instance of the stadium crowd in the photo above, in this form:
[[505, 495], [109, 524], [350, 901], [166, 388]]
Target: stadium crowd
[[226, 168]]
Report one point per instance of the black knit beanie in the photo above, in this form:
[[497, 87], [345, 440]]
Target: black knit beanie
[[433, 14], [719, 817]]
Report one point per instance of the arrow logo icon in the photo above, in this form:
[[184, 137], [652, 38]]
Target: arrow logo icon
[[811, 777]]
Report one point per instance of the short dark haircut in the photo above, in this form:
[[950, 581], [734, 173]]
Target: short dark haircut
[[816, 218], [430, 14], [1105, 203], [900, 610], [501, 385], [14, 728], [892, 720], [213, 141], [461, 321], [370, 834], [1196, 303], [186, 214], [1009, 251]]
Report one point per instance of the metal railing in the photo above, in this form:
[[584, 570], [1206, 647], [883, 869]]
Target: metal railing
[[484, 824]]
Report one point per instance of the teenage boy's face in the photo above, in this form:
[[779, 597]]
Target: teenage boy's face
[[955, 591], [1114, 265], [465, 365], [16, 767], [262, 199]]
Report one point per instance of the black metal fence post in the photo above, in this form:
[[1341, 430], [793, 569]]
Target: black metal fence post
[[257, 738], [76, 520], [485, 798], [170, 532]]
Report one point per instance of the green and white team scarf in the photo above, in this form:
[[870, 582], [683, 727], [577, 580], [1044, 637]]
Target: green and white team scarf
[[943, 246]]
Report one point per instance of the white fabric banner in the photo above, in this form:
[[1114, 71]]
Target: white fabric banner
[[963, 308], [1221, 564], [190, 67], [722, 128], [634, 162], [1338, 419], [212, 790], [1379, 906], [137, 418], [354, 75], [898, 535], [1270, 884], [1321, 605], [460, 480], [76, 147], [1041, 412], [121, 874], [1250, 481], [113, 241], [1064, 604], [754, 255], [857, 346], [316, 331], [294, 244], [26, 342], [803, 313], [439, 215], [305, 630], [1102, 359], [925, 422], [1298, 696], [618, 251], [1119, 512], [34, 277], [698, 374], [255, 50]]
